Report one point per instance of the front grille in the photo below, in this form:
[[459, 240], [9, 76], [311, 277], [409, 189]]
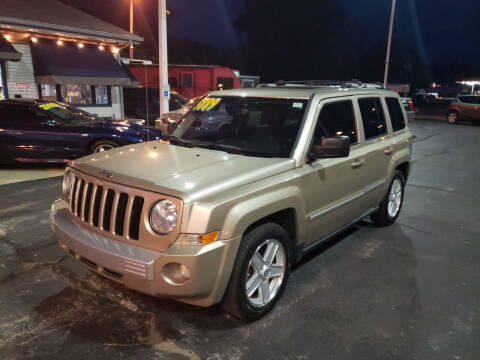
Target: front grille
[[107, 209]]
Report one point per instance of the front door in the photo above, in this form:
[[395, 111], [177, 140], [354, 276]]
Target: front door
[[335, 187], [188, 84]]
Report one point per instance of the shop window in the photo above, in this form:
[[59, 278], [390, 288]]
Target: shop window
[[172, 81], [187, 81], [48, 92], [225, 83], [76, 94], [101, 95]]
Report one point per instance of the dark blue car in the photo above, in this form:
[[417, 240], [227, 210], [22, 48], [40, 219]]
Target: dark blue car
[[40, 131]]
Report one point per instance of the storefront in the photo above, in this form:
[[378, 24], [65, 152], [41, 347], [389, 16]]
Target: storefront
[[73, 59]]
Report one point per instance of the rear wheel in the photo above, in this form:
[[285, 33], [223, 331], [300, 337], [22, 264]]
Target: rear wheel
[[102, 145], [391, 204], [260, 273], [453, 117]]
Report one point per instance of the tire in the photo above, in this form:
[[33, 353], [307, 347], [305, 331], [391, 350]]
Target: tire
[[102, 144], [384, 216], [236, 301], [453, 117]]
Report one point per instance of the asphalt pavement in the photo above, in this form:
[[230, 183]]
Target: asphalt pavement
[[409, 291]]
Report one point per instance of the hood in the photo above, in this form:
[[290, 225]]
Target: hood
[[186, 173]]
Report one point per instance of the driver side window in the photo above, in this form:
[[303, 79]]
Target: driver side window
[[336, 119]]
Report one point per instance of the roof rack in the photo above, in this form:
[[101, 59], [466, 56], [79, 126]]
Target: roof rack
[[325, 83]]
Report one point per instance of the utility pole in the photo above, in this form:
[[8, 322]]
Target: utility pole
[[164, 88], [389, 44], [131, 28]]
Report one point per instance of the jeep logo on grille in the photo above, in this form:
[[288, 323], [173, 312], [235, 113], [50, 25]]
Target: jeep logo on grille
[[106, 173]]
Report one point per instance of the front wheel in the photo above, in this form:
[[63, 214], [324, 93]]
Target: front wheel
[[391, 204], [453, 117], [102, 145], [260, 273]]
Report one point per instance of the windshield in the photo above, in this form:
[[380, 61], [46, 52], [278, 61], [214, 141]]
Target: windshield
[[249, 126], [67, 114]]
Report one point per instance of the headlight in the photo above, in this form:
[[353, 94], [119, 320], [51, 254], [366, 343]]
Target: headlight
[[163, 217], [67, 183]]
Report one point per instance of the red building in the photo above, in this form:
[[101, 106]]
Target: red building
[[188, 80]]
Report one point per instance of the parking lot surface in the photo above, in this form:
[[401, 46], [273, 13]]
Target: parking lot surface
[[409, 291]]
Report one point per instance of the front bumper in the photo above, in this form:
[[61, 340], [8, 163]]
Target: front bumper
[[145, 270]]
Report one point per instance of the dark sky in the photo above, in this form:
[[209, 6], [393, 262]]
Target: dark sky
[[435, 27]]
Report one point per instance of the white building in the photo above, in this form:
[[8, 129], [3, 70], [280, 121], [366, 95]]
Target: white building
[[49, 50]]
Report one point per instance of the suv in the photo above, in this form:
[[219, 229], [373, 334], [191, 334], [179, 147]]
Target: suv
[[222, 218], [466, 107]]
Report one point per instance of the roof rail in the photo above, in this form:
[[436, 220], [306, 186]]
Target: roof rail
[[324, 83]]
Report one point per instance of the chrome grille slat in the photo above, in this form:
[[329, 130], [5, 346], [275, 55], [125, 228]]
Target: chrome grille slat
[[128, 215], [113, 217], [92, 204], [102, 208], [84, 197]]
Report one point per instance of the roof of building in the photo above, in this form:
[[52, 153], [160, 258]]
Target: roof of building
[[52, 15], [7, 51], [297, 92]]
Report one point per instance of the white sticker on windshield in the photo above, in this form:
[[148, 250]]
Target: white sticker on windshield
[[297, 105]]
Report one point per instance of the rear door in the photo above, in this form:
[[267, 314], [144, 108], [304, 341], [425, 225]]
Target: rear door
[[377, 150], [468, 105]]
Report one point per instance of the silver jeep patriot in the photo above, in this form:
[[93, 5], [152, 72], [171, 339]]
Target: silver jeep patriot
[[208, 217]]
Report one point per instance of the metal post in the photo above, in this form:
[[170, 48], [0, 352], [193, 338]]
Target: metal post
[[162, 55], [389, 44], [131, 28]]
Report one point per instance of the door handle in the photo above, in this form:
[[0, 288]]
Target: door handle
[[358, 163], [388, 150]]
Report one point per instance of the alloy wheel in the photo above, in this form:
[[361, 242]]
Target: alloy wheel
[[395, 198], [265, 272]]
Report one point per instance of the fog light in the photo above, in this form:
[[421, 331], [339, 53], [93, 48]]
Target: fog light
[[184, 271], [175, 273]]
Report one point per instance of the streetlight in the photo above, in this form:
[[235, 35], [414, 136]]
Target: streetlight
[[389, 44], [131, 27], [164, 89]]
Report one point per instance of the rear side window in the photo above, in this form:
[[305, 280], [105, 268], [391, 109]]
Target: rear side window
[[336, 119], [373, 117], [396, 114]]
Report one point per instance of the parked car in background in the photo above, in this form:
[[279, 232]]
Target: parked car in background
[[465, 107], [409, 107], [41, 131], [167, 121]]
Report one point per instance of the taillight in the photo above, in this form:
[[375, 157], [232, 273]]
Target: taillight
[[163, 119], [410, 104]]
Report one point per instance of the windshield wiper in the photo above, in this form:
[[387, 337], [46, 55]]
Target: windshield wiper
[[177, 141]]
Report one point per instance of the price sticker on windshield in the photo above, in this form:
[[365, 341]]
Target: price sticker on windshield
[[48, 106], [207, 104]]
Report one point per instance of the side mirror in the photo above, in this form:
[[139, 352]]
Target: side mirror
[[332, 147]]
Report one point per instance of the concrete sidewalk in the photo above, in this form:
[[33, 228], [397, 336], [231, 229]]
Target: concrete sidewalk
[[10, 174]]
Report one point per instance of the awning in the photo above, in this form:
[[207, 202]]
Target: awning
[[7, 51], [69, 64]]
